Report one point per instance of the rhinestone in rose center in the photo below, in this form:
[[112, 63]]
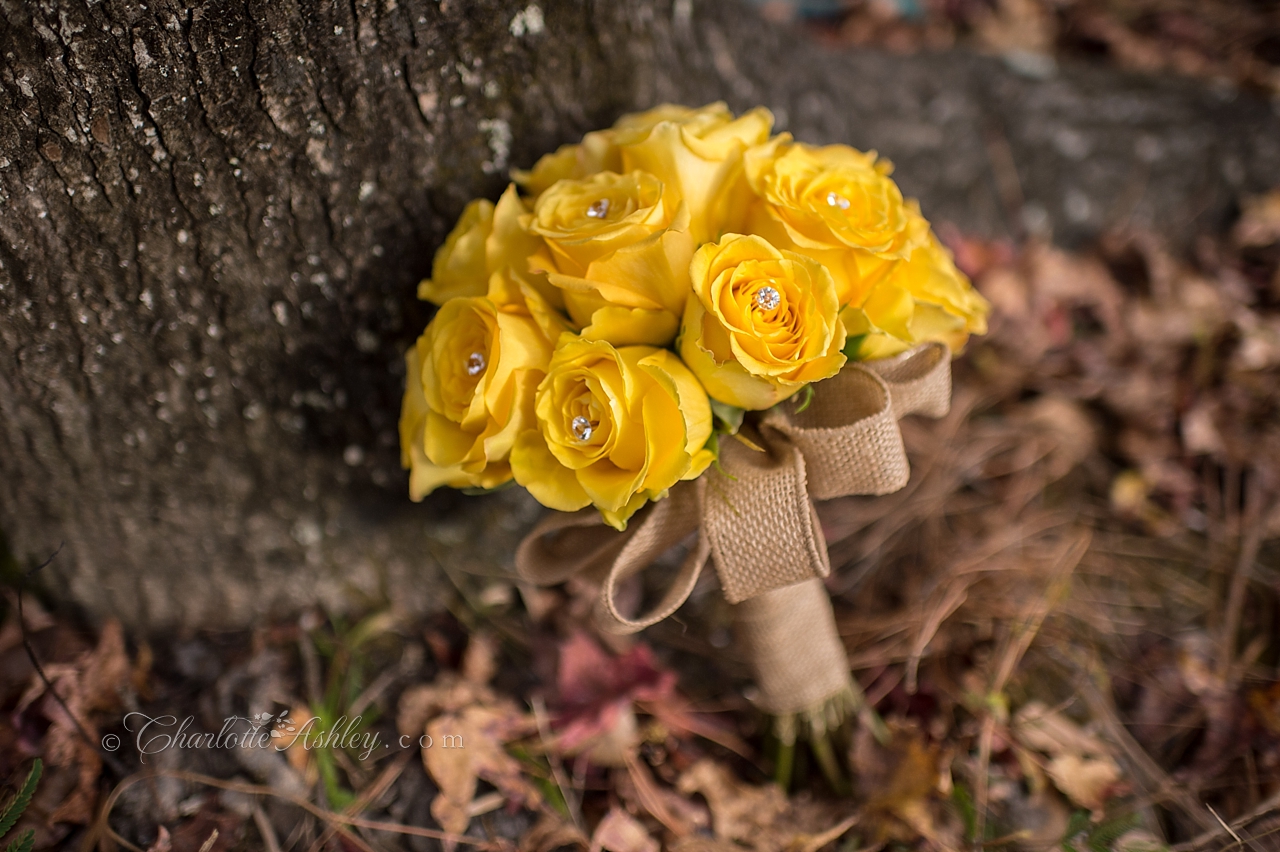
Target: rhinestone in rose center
[[837, 200], [475, 363], [599, 209], [581, 428], [767, 298]]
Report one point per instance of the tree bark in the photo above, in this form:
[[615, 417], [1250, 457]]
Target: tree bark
[[213, 219]]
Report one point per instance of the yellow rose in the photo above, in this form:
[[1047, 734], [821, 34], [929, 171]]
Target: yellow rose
[[618, 247], [700, 121], [487, 239], [835, 204], [924, 297], [698, 153], [761, 323], [597, 152], [459, 268], [616, 427], [470, 389]]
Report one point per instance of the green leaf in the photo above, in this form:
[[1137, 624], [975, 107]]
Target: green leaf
[[852, 344], [804, 398], [339, 797], [963, 803], [1078, 825], [1102, 838], [713, 444], [23, 843], [13, 810], [730, 416]]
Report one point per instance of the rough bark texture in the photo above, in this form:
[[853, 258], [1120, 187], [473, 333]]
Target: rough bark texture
[[212, 219]]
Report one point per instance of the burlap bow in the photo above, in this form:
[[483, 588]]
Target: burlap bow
[[754, 516]]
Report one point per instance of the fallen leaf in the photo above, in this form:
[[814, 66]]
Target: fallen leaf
[[1259, 224], [552, 832], [89, 685], [738, 809], [598, 696], [597, 692], [468, 726], [1040, 729], [898, 780], [1081, 765], [679, 815], [1086, 781], [620, 832], [468, 746], [1067, 426]]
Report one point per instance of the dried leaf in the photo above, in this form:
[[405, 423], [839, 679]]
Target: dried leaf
[[680, 816], [1037, 727], [737, 809], [596, 696], [1082, 765], [552, 832], [1067, 426], [898, 780], [1260, 223], [468, 746], [620, 832], [1087, 781], [89, 685]]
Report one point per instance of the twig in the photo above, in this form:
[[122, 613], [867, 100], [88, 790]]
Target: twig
[[953, 597], [101, 829], [1255, 514], [816, 841], [266, 829], [1224, 825], [208, 844], [367, 796], [1269, 806], [651, 800]]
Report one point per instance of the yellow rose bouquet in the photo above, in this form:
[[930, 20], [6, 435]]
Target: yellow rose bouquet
[[684, 324]]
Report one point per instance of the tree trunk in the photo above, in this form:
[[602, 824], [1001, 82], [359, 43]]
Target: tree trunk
[[212, 221]]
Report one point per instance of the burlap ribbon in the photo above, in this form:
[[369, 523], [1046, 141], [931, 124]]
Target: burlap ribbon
[[755, 518]]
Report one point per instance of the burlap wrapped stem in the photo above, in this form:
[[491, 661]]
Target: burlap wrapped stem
[[755, 518]]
